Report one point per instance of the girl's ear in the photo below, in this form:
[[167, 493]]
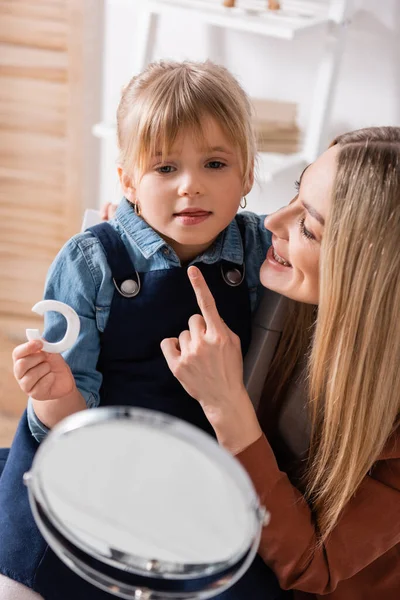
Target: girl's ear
[[127, 185]]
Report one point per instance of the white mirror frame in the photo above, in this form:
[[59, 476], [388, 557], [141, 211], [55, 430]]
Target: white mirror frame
[[64, 544]]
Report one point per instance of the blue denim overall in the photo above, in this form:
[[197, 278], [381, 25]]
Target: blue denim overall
[[129, 358]]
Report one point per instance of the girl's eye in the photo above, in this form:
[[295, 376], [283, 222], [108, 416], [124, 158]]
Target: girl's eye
[[297, 186], [304, 231], [165, 169], [215, 164]]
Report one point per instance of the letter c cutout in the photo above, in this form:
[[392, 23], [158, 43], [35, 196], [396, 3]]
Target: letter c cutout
[[73, 326]]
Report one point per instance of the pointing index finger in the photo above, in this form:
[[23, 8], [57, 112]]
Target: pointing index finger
[[205, 299]]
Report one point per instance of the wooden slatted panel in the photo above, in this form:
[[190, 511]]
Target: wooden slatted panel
[[31, 151], [49, 50], [39, 208], [21, 61], [51, 197], [54, 10], [16, 27], [45, 112]]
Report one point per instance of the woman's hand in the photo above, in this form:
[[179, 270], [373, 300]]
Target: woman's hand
[[42, 375], [207, 360]]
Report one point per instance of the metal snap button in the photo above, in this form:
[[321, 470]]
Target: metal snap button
[[129, 286], [234, 276]]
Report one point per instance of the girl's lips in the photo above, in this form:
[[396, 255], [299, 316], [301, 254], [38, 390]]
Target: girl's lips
[[193, 211], [192, 217], [275, 260]]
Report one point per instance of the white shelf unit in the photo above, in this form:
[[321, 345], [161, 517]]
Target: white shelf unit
[[295, 18]]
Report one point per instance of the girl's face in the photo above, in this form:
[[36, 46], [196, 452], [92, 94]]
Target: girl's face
[[191, 196], [291, 267]]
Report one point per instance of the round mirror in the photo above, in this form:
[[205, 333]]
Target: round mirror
[[144, 505]]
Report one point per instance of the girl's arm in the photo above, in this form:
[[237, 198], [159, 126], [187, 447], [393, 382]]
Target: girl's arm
[[64, 384]]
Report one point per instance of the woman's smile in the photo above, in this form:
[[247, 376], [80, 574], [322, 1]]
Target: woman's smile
[[279, 259]]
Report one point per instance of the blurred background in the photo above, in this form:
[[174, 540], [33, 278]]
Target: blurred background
[[313, 69]]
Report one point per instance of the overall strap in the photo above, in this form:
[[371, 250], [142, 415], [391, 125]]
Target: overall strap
[[232, 273], [242, 230], [126, 278]]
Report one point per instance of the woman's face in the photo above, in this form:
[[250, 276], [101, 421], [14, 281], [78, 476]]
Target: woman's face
[[291, 267]]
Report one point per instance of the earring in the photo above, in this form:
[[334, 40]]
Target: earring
[[137, 209], [243, 202]]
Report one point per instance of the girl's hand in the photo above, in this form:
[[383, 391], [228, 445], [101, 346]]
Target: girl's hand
[[207, 360], [42, 375]]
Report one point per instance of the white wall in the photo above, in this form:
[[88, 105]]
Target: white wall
[[368, 90]]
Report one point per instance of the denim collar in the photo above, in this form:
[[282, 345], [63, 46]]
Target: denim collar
[[228, 245]]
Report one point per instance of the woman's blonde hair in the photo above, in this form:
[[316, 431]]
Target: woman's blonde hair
[[169, 97], [353, 370]]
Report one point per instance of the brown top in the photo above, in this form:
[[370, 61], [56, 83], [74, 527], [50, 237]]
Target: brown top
[[361, 558]]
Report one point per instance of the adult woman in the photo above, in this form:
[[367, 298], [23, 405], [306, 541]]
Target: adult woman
[[331, 480]]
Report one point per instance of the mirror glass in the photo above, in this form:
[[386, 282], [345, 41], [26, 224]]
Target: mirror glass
[[145, 487]]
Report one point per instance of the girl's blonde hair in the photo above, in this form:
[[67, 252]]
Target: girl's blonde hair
[[353, 371], [169, 97]]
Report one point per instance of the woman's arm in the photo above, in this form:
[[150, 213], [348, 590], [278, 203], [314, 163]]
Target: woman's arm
[[207, 361], [368, 528]]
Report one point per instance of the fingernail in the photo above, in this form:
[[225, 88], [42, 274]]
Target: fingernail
[[193, 272]]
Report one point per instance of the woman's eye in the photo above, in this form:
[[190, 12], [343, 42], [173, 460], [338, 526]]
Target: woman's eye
[[215, 164], [165, 169], [304, 231], [297, 186]]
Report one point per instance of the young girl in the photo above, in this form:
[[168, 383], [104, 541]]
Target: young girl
[[186, 162]]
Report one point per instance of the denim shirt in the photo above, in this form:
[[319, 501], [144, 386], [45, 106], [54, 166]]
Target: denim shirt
[[80, 277]]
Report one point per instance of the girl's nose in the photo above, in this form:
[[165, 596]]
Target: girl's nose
[[191, 185]]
